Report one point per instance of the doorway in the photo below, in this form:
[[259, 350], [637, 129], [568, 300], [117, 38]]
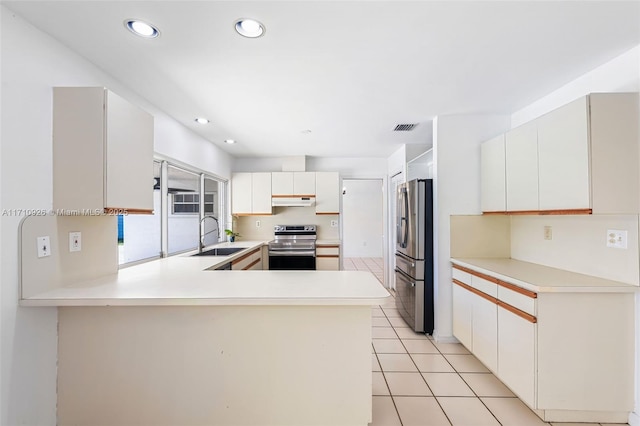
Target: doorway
[[363, 226]]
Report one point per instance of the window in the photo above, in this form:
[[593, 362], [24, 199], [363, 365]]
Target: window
[[142, 237], [189, 203]]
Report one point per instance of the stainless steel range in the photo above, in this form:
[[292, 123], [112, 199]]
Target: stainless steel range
[[294, 247]]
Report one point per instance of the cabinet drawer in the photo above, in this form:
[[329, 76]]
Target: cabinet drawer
[[485, 286], [524, 302], [328, 250], [248, 261], [461, 276]]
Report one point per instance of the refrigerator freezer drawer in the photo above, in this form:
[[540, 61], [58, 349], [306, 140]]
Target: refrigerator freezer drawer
[[410, 300], [411, 267]]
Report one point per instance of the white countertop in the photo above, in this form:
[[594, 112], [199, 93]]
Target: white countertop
[[185, 280], [543, 279]]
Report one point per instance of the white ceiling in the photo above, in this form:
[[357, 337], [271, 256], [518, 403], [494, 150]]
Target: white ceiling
[[349, 71]]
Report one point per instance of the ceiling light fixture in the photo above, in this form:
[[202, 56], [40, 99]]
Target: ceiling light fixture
[[250, 28], [141, 28], [229, 141], [201, 120]]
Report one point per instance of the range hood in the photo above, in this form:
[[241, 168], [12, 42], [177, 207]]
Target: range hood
[[293, 201]]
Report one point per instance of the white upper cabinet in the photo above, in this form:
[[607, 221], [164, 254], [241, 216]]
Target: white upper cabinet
[[327, 193], [251, 194], [492, 173], [102, 152], [521, 147], [563, 149], [293, 183], [580, 158], [304, 183]]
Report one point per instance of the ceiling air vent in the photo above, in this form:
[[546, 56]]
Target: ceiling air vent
[[405, 127]]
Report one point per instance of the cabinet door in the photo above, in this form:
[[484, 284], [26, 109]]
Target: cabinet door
[[241, 193], [492, 175], [282, 183], [517, 354], [485, 331], [328, 257], [129, 156], [521, 148], [261, 193], [304, 183], [327, 193], [563, 147], [462, 316]]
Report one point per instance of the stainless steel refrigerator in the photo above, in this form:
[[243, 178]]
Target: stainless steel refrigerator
[[414, 254]]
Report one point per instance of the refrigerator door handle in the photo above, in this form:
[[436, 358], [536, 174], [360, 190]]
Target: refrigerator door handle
[[403, 220]]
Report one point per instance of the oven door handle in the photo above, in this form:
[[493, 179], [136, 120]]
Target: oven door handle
[[293, 253]]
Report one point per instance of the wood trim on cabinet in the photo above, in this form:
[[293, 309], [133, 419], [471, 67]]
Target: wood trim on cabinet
[[333, 256], [476, 291], [249, 266], [542, 212], [500, 303], [328, 245], [515, 288], [252, 214], [512, 287], [477, 274], [319, 213], [294, 196], [518, 312], [244, 256], [111, 211]]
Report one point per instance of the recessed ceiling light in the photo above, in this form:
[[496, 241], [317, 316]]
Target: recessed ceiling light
[[201, 120], [141, 28], [229, 141], [249, 28], [306, 132]]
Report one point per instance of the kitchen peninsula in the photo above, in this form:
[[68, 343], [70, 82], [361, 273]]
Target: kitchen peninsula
[[174, 341]]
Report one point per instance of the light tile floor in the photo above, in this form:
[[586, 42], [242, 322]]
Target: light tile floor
[[417, 381], [373, 264]]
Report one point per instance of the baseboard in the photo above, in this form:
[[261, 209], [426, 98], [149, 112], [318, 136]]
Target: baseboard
[[634, 419], [446, 339]]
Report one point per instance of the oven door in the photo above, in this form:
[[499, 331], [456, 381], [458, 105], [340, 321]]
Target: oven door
[[290, 260]]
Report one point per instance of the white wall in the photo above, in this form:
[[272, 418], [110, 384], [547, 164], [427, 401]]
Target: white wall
[[347, 167], [456, 170], [32, 63], [621, 74], [362, 219], [617, 75]]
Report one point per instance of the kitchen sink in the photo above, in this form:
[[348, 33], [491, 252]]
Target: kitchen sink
[[222, 251]]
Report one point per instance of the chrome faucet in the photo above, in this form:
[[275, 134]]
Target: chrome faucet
[[204, 234]]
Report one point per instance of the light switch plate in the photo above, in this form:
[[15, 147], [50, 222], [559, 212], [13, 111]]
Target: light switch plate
[[44, 246], [617, 238], [548, 233], [75, 241]]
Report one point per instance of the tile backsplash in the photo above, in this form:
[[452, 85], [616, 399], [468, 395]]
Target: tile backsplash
[[246, 225]]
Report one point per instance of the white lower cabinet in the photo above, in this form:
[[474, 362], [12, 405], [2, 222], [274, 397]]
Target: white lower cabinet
[[567, 355], [485, 332], [251, 260], [328, 257], [462, 316], [516, 350]]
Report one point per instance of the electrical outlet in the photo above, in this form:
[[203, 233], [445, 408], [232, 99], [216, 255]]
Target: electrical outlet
[[75, 241], [258, 224], [334, 223], [617, 238], [44, 246], [548, 233]]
